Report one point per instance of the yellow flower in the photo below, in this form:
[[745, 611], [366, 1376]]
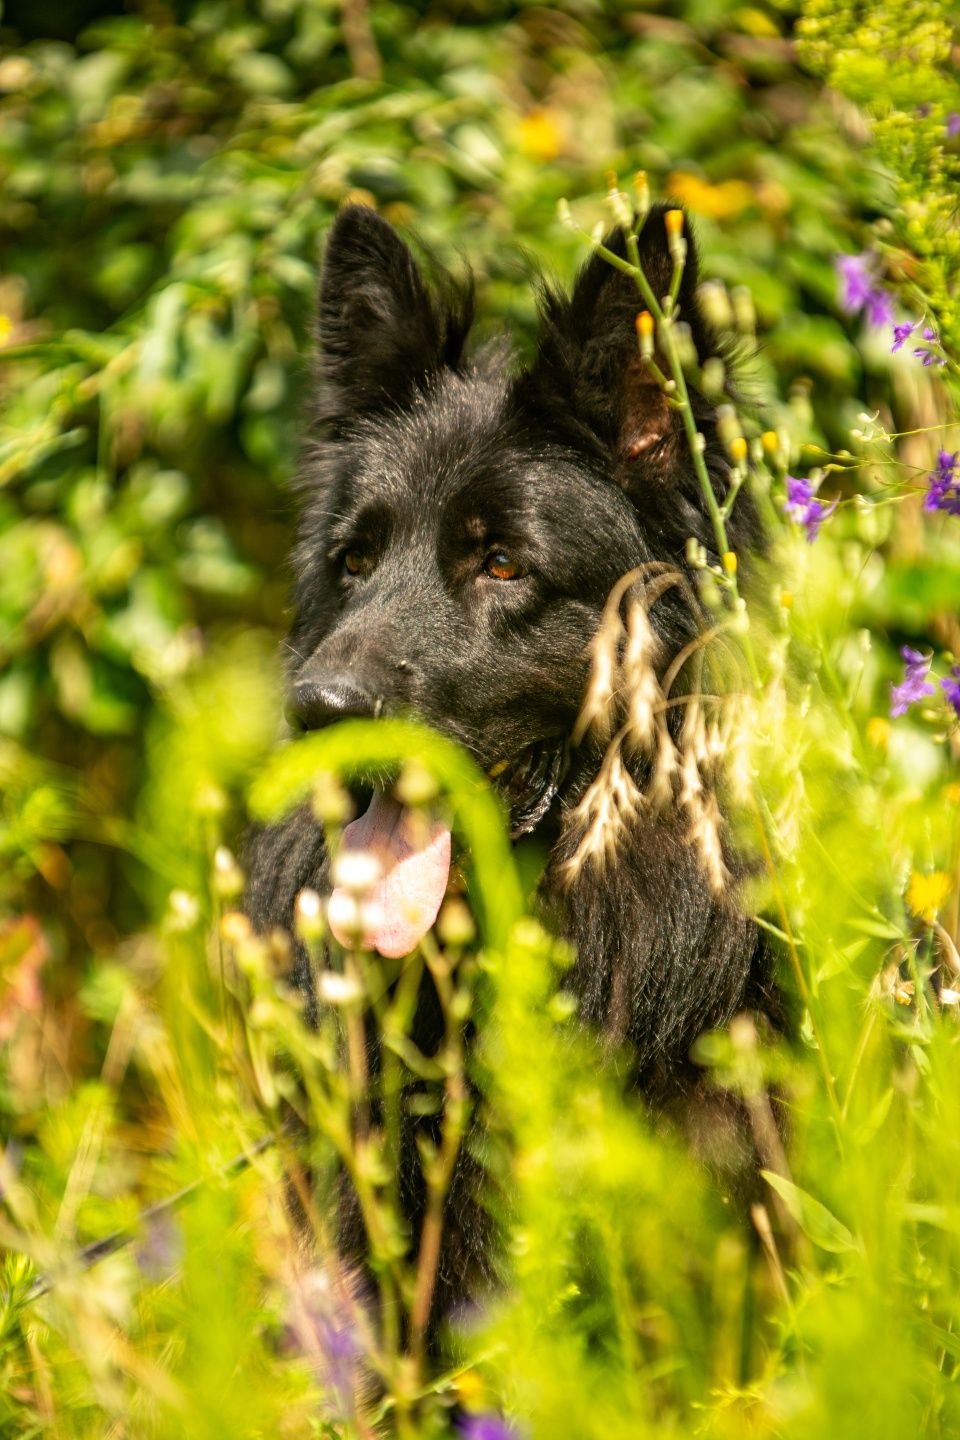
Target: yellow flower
[[723, 201], [360, 197], [926, 894], [541, 134], [878, 731], [471, 1391]]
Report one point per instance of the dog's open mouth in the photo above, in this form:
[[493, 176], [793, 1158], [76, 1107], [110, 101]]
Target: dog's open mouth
[[410, 854], [529, 783]]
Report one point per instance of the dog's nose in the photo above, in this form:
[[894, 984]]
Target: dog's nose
[[315, 703]]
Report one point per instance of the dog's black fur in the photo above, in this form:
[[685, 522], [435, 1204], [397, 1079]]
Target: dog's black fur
[[424, 461]]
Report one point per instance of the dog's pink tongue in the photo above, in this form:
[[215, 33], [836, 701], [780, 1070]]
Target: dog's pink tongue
[[414, 858]]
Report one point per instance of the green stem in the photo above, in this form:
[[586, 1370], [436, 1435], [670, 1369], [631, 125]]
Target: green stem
[[664, 325]]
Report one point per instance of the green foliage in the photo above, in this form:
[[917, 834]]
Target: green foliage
[[166, 181], [895, 62]]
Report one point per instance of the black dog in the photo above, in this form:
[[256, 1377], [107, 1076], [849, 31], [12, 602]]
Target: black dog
[[463, 527]]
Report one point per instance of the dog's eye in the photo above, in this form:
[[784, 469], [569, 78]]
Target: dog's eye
[[353, 561], [499, 566]]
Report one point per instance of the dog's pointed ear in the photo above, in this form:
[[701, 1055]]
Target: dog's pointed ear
[[589, 360], [382, 334]]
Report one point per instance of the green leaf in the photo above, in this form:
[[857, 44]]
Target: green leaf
[[865, 1132], [881, 929], [814, 1219]]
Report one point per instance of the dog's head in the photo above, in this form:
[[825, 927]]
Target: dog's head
[[464, 524]]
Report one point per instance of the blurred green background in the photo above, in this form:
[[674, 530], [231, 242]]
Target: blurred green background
[[167, 173]]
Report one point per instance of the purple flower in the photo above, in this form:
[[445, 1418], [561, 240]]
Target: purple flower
[[879, 308], [859, 290], [944, 491], [855, 274], [485, 1427], [160, 1249], [951, 688], [953, 124], [928, 353], [901, 333], [321, 1324], [804, 508], [914, 685]]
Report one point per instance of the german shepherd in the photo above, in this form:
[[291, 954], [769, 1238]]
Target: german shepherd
[[464, 522]]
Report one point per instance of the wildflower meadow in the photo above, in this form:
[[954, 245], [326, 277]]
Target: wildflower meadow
[[175, 1117]]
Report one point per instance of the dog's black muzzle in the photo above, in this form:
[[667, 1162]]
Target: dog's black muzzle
[[528, 782], [312, 704]]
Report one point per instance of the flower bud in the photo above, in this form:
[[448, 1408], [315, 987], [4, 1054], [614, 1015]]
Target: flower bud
[[645, 327], [641, 190], [235, 928], [618, 203], [738, 449], [343, 914], [678, 245], [686, 350], [336, 989], [728, 425], [308, 916], [330, 802], [227, 875], [455, 923], [416, 785], [356, 870], [715, 304], [743, 310], [280, 950], [713, 377], [184, 910]]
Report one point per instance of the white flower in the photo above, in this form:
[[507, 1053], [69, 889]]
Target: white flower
[[357, 871], [336, 989]]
